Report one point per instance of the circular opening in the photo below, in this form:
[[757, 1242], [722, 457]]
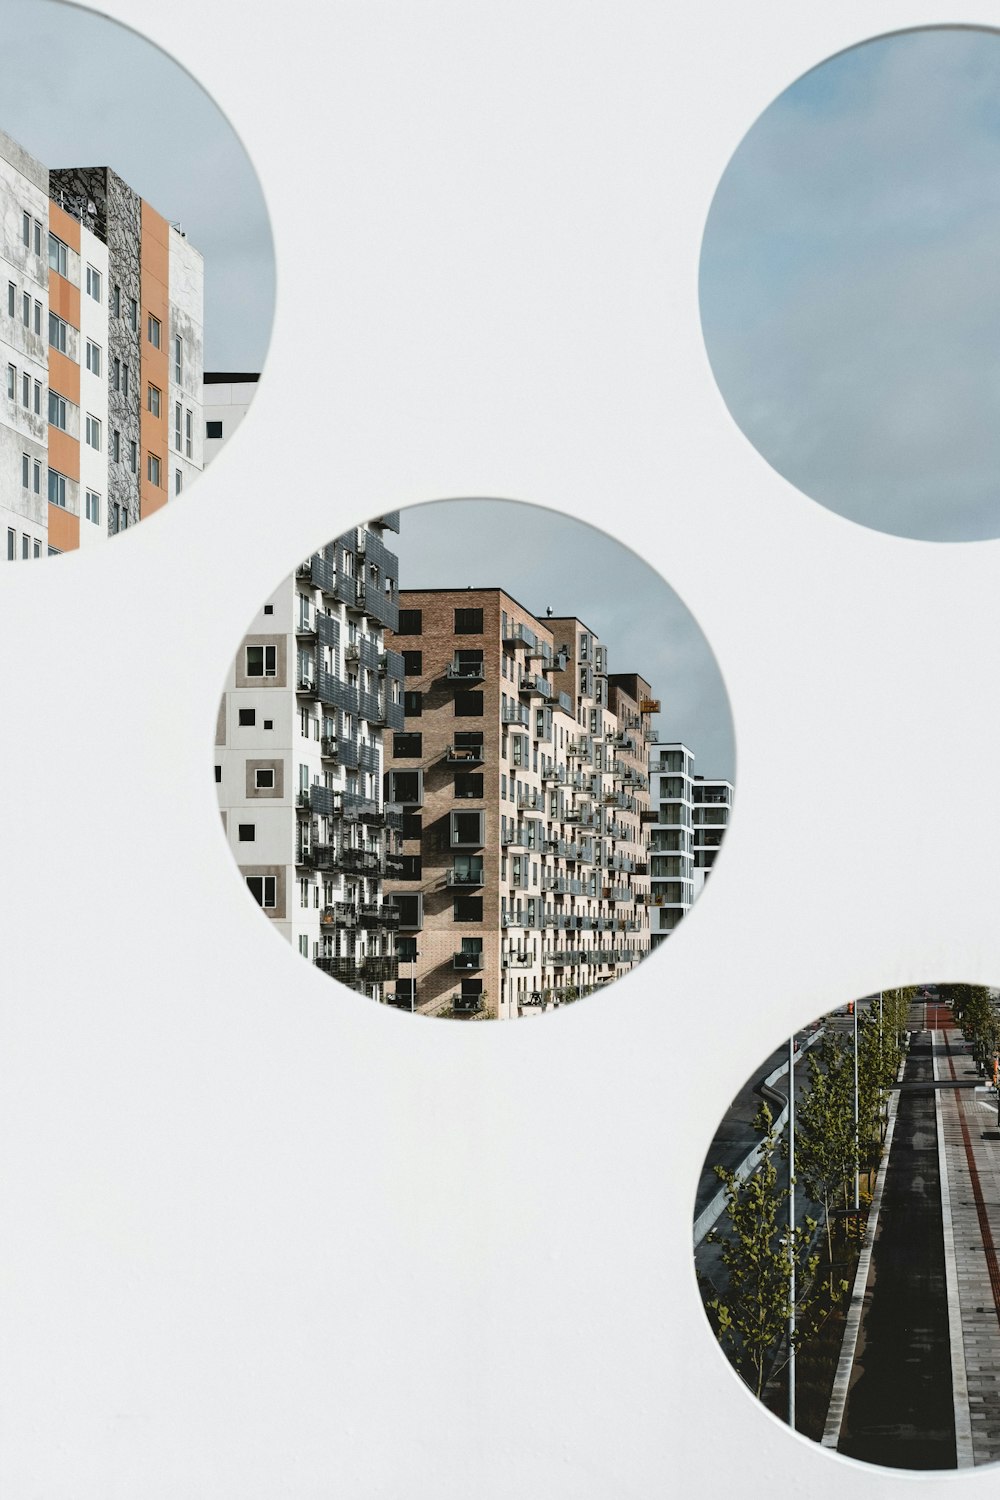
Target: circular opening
[[468, 789]]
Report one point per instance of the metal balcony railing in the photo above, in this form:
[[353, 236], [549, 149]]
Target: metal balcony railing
[[467, 1005], [465, 877], [464, 755]]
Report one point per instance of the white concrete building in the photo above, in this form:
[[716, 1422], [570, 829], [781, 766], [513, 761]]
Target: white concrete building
[[712, 807], [688, 821], [226, 400], [300, 758]]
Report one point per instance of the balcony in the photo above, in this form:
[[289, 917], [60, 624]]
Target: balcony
[[467, 960], [342, 695], [305, 684], [516, 713], [531, 800], [319, 573], [518, 959], [520, 636], [368, 758], [344, 968], [555, 775], [465, 877], [390, 664], [340, 914], [401, 999], [466, 671], [464, 755], [329, 747], [467, 1005], [649, 705], [389, 519], [360, 861], [368, 707], [535, 684], [376, 969]]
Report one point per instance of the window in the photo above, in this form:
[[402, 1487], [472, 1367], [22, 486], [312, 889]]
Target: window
[[38, 238], [133, 455], [25, 547], [26, 470], [58, 331], [93, 507], [11, 383], [407, 746], [213, 429], [57, 410], [263, 889], [188, 440], [57, 489], [410, 622], [407, 788], [38, 319], [152, 468], [264, 779], [116, 445], [93, 433], [93, 283], [153, 331], [218, 773], [268, 723], [177, 426], [153, 400], [468, 622], [467, 828], [26, 390], [413, 705], [248, 716], [124, 524], [468, 784], [11, 544], [115, 522], [38, 398], [247, 832], [58, 255], [178, 481], [36, 477], [133, 315], [410, 867], [269, 609], [413, 663], [11, 299], [26, 229], [116, 373], [26, 309], [468, 705], [412, 826], [93, 357], [116, 301], [124, 379], [262, 661], [468, 909], [178, 362]]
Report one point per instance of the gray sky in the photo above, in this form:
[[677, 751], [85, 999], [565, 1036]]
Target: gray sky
[[545, 558], [182, 157], [850, 295]]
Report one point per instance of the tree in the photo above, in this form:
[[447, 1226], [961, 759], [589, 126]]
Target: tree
[[758, 1254], [824, 1132]]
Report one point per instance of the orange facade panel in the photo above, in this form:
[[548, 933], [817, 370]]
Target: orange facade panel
[[154, 273], [64, 453], [64, 376], [64, 299], [64, 529], [64, 226]]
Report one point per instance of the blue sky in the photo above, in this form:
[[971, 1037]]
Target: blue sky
[[579, 570], [184, 158], [850, 296]]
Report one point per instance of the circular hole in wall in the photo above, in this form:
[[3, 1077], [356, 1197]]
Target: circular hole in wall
[[467, 789], [134, 239], [869, 1249], [849, 298]]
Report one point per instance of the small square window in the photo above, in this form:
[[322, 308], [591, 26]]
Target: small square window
[[468, 622], [410, 622], [407, 746], [248, 716], [468, 705], [247, 832], [264, 779], [413, 705], [213, 429], [413, 663], [268, 723]]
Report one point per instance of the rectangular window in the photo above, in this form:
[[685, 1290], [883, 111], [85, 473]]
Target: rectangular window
[[263, 779], [25, 547], [469, 784], [188, 437], [11, 383], [93, 357], [413, 663], [26, 230], [57, 489], [133, 315], [213, 429], [153, 331], [407, 746], [407, 788], [11, 544], [116, 445], [468, 622], [94, 507], [468, 705], [116, 301], [38, 238], [26, 470], [37, 548], [263, 889], [248, 716], [116, 373], [153, 400], [26, 309], [468, 909], [262, 661], [152, 468], [57, 410], [38, 398], [177, 427], [26, 390], [93, 283], [124, 379], [11, 299], [248, 832], [413, 705], [93, 433], [133, 455], [410, 622], [178, 362], [58, 255], [467, 828], [58, 333], [38, 319], [178, 481], [36, 477]]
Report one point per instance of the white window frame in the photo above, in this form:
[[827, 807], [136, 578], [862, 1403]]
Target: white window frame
[[94, 283], [94, 359], [58, 410], [264, 672], [60, 327], [93, 432], [153, 325], [57, 482], [93, 507], [153, 469], [58, 255], [263, 786]]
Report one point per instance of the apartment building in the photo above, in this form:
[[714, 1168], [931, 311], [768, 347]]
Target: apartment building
[[225, 401], [687, 822], [101, 325], [521, 776], [299, 757]]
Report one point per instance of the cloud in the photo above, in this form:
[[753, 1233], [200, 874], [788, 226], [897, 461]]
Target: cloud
[[849, 287]]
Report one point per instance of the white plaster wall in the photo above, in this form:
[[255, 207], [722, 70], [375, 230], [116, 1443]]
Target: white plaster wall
[[227, 402], [93, 388], [23, 187], [187, 317]]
